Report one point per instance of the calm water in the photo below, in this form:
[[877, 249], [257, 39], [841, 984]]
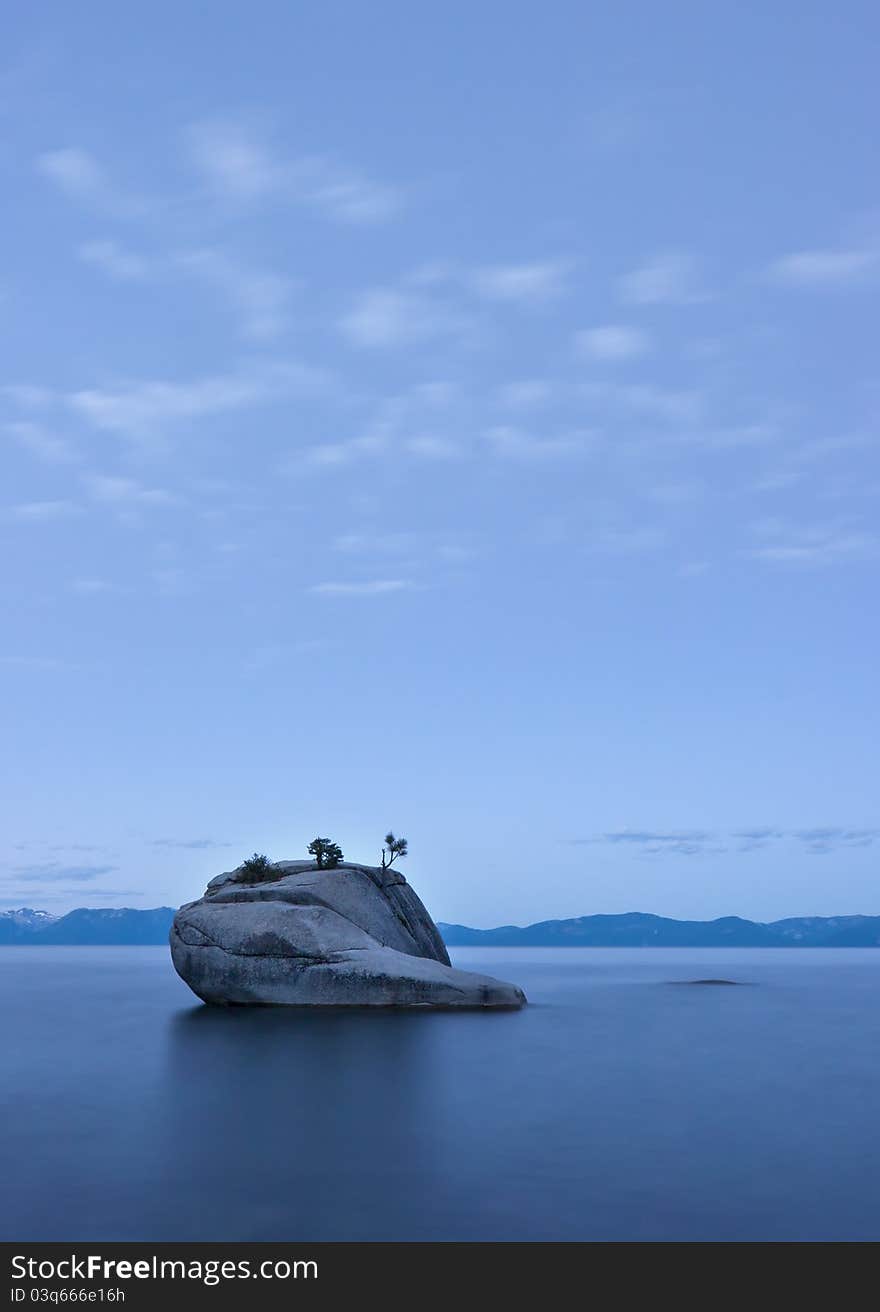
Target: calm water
[[617, 1106]]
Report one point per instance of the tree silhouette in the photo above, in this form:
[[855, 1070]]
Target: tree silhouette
[[257, 866], [327, 854], [394, 848]]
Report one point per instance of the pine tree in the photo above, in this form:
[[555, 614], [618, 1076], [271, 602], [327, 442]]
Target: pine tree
[[327, 854], [394, 848]]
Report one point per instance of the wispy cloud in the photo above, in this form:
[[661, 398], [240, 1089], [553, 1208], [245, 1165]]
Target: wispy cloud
[[46, 445], [196, 844], [272, 655], [688, 842], [141, 408], [242, 169], [361, 544], [93, 587], [41, 512], [34, 662], [411, 424], [612, 342], [335, 455], [119, 491], [113, 260], [521, 284], [525, 393], [386, 317], [822, 841], [677, 406], [259, 296], [783, 543], [27, 396], [671, 278], [700, 842], [76, 173], [368, 588], [512, 443], [427, 446], [55, 873], [826, 268], [234, 162]]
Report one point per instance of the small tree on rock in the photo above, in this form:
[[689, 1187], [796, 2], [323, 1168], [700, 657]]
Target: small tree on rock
[[257, 867], [327, 854], [394, 848]]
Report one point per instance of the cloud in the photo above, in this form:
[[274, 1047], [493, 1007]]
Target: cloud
[[612, 342], [370, 588], [521, 284], [79, 176], [696, 842], [681, 493], [821, 841], [825, 268], [694, 569], [112, 259], [366, 543], [233, 162], [196, 844], [627, 539], [140, 408], [653, 836], [817, 841], [260, 297], [668, 279], [74, 171], [115, 490], [93, 587], [55, 873], [243, 170], [34, 662], [333, 455], [41, 442], [814, 545], [741, 436], [514, 444], [274, 654], [673, 406], [27, 396], [386, 317], [427, 447], [525, 394], [41, 512], [347, 196], [171, 582]]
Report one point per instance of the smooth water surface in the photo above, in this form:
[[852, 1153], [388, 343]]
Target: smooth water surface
[[621, 1104]]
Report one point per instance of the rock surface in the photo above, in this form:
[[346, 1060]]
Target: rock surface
[[353, 936]]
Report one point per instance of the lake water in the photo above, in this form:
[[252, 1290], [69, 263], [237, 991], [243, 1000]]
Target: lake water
[[621, 1104]]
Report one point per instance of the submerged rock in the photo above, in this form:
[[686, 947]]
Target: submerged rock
[[352, 936]]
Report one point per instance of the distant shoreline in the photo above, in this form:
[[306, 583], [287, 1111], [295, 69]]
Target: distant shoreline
[[129, 927]]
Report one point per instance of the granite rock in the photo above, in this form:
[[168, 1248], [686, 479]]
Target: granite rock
[[351, 936]]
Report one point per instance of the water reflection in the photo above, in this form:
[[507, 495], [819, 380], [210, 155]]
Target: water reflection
[[300, 1123], [615, 1107]]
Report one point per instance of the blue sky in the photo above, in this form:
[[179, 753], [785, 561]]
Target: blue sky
[[458, 418]]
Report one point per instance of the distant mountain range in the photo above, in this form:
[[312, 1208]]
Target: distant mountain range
[[126, 926], [636, 929], [86, 925]]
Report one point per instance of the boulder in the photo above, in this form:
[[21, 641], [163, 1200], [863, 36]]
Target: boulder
[[351, 936]]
